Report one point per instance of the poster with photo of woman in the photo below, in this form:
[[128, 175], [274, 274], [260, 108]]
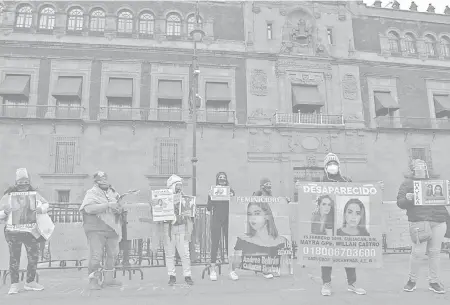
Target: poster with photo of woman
[[260, 235], [352, 215], [431, 192]]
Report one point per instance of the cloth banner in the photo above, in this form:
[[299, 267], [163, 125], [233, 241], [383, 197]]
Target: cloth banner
[[139, 220], [259, 235], [4, 253], [431, 192], [340, 225], [163, 205], [68, 242]]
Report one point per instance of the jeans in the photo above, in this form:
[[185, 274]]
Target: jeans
[[15, 241], [326, 275], [219, 226], [176, 242], [433, 249], [99, 241]]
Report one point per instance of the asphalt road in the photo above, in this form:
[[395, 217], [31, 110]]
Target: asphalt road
[[384, 286]]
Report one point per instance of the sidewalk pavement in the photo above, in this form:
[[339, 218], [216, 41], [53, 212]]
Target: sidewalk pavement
[[384, 286]]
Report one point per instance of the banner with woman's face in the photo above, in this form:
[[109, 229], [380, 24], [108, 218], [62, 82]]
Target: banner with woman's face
[[260, 235], [339, 224]]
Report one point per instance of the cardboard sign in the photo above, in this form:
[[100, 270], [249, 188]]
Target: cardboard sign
[[163, 205], [340, 225], [431, 192], [220, 193]]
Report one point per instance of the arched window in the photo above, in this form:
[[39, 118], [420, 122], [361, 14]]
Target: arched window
[[47, 18], [410, 44], [75, 20], [98, 21], [146, 24], [191, 22], [125, 22], [173, 25], [430, 45], [445, 46], [394, 42], [24, 17]]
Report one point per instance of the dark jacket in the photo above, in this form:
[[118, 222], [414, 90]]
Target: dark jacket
[[13, 189], [220, 209], [335, 178], [262, 193], [418, 213]]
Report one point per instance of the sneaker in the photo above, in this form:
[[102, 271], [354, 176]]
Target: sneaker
[[354, 289], [33, 286], [94, 285], [268, 275], [172, 280], [14, 289], [326, 289], [189, 280], [234, 276], [410, 286], [213, 275], [437, 288]]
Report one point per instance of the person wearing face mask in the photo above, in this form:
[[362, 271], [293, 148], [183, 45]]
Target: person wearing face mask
[[427, 229], [103, 227], [333, 173], [177, 236], [265, 188], [219, 224], [22, 228]]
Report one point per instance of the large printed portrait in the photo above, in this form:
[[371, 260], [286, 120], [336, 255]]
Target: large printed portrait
[[23, 208], [352, 215]]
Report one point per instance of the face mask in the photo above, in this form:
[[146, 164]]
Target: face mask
[[103, 186], [333, 169], [222, 181], [178, 188], [22, 187], [267, 187]]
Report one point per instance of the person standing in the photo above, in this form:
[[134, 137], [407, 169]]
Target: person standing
[[265, 188], [333, 173], [103, 227], [177, 236], [219, 223], [22, 228], [428, 225]]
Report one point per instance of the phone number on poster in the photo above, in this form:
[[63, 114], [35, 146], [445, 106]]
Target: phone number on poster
[[339, 252]]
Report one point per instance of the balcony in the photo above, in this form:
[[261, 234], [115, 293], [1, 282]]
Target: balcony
[[24, 111], [310, 119], [413, 123], [165, 115]]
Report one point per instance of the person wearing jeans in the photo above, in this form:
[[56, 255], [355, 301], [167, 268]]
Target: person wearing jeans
[[428, 221]]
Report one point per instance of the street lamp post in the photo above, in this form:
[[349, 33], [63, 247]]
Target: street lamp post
[[197, 35]]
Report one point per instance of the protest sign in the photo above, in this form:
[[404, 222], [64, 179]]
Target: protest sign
[[220, 193], [187, 206], [138, 224], [340, 225], [68, 242], [259, 235], [163, 205], [23, 212], [4, 253], [431, 192]]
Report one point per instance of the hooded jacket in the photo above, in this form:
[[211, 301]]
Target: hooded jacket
[[220, 207], [418, 213]]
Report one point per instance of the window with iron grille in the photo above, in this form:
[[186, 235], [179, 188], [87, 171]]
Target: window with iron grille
[[422, 153], [167, 156], [64, 153], [63, 196]]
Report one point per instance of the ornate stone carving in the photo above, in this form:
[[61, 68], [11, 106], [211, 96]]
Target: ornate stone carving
[[258, 114], [304, 65], [260, 141], [354, 142], [305, 78], [258, 82], [294, 143], [256, 9], [311, 161], [283, 11], [350, 86], [302, 32]]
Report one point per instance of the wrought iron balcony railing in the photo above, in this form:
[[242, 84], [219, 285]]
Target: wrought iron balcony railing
[[25, 111], [164, 114], [308, 119], [412, 122]]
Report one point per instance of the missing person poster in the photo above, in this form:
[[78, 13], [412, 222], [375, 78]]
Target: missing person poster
[[340, 225], [23, 212], [220, 193], [431, 192], [187, 206], [163, 205], [259, 235]]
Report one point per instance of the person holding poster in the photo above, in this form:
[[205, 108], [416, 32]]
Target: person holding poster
[[333, 173], [265, 188], [219, 222], [19, 207], [428, 225], [177, 236], [103, 227]]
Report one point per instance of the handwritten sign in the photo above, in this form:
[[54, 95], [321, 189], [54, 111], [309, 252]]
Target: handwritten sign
[[4, 253], [139, 216], [220, 193], [431, 192], [68, 242]]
